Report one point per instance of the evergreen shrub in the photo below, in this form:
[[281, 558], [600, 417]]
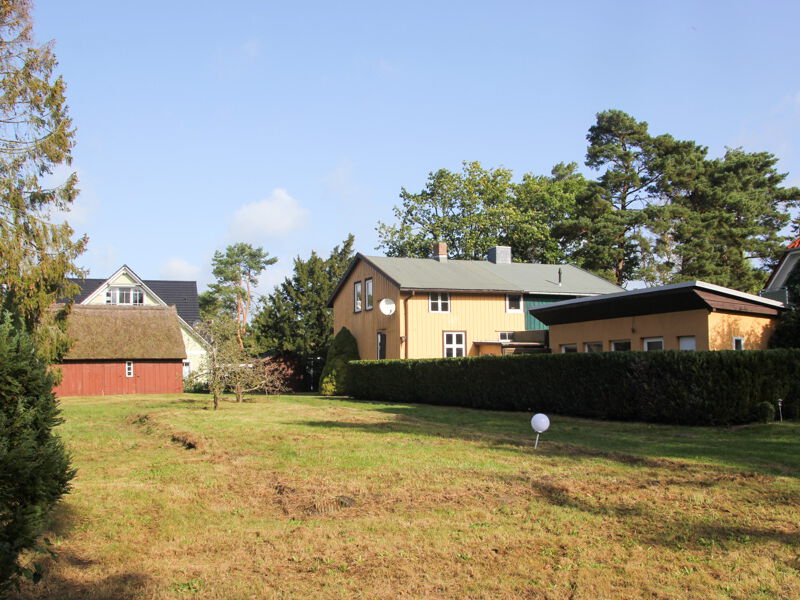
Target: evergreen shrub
[[689, 388], [34, 466], [344, 348]]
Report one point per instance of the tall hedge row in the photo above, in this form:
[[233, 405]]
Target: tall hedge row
[[690, 388]]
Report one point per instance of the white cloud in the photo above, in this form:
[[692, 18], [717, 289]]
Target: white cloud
[[178, 268], [274, 216]]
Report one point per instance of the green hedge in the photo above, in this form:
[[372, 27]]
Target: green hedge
[[691, 388]]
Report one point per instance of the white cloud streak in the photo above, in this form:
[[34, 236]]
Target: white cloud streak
[[275, 216]]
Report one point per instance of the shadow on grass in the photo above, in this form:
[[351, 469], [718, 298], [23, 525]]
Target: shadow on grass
[[773, 449], [54, 586]]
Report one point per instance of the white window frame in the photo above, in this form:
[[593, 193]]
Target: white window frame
[[569, 348], [506, 336], [368, 293], [615, 342], [508, 303], [738, 338], [187, 368], [129, 368], [681, 338], [135, 295], [357, 296], [454, 345], [438, 299], [587, 344], [647, 340]]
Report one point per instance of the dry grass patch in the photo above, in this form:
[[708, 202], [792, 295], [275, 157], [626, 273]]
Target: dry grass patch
[[307, 498]]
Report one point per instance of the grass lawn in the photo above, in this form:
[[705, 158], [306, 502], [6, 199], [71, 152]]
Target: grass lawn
[[303, 497]]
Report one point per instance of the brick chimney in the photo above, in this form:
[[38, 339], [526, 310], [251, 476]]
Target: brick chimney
[[440, 251], [500, 255]]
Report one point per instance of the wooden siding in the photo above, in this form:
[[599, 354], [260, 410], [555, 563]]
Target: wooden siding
[[366, 324], [481, 316], [101, 378]]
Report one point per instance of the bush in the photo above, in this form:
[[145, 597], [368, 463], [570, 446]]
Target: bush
[[34, 466], [691, 388], [766, 412], [333, 381], [787, 333]]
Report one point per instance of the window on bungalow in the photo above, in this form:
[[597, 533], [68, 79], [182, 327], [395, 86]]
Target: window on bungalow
[[187, 369], [368, 290], [687, 342], [513, 303], [620, 345], [439, 302], [738, 343], [593, 347], [506, 336], [125, 295], [568, 348], [129, 369], [653, 344], [357, 296], [454, 345]]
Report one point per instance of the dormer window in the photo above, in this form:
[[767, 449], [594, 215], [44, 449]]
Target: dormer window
[[125, 295]]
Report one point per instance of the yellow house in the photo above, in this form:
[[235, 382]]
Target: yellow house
[[686, 316], [125, 288], [435, 307]]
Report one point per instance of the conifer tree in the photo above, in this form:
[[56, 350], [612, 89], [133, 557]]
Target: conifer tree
[[36, 136]]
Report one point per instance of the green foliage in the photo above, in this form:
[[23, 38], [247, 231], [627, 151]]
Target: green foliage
[[479, 208], [34, 466], [692, 388], [36, 136], [333, 381], [787, 333], [766, 412], [294, 319], [237, 272]]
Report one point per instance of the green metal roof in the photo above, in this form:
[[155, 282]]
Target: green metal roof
[[482, 275]]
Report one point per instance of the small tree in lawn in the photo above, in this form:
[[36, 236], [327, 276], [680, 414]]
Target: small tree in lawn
[[222, 352], [34, 466]]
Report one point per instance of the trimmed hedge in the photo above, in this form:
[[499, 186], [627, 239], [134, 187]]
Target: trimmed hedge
[[689, 388]]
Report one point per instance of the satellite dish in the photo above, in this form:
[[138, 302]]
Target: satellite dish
[[540, 424], [387, 306]]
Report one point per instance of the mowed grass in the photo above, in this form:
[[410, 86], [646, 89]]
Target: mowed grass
[[303, 497]]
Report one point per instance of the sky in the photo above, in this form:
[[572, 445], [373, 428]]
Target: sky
[[289, 125]]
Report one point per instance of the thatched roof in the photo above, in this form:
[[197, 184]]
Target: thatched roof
[[102, 332]]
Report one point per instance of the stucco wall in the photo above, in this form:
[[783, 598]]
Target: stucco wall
[[667, 325], [755, 330]]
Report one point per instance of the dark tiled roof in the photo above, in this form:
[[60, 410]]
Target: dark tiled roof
[[180, 294]]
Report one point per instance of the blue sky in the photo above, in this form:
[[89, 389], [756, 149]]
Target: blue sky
[[291, 124]]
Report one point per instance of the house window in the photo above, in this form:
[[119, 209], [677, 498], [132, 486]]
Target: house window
[[357, 296], [381, 345], [620, 345], [514, 303], [454, 344], [506, 336], [738, 343], [569, 348], [653, 344], [439, 302], [129, 369], [124, 295], [593, 347], [368, 286], [687, 342], [187, 368]]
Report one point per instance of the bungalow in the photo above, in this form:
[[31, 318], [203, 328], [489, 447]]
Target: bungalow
[[122, 350], [685, 316], [435, 307]]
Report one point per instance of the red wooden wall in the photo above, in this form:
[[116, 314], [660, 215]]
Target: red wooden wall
[[101, 378]]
